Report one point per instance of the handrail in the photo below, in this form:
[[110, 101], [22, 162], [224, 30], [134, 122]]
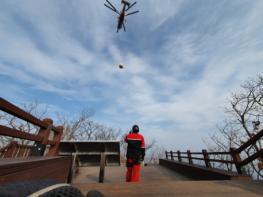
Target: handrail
[[15, 150], [23, 135], [41, 138], [15, 111], [251, 141], [200, 153], [252, 157], [218, 153], [222, 161], [205, 157], [234, 153], [6, 131], [195, 153]]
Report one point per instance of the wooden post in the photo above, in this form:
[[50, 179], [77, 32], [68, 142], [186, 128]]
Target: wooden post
[[39, 148], [15, 149], [206, 158], [73, 169], [22, 151], [260, 165], [9, 151], [189, 157], [102, 167], [44, 132], [53, 150], [166, 154], [15, 154], [179, 156], [172, 155], [236, 158], [27, 151]]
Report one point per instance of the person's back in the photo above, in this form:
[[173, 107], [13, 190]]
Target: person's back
[[135, 154], [134, 149]]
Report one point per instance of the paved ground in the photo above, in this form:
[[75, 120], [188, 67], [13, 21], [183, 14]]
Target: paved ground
[[159, 181]]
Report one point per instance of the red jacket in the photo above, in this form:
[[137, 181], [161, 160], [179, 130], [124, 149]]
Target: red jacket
[[136, 146]]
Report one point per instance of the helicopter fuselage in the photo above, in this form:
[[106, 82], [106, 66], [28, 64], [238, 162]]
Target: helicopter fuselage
[[121, 18], [122, 13]]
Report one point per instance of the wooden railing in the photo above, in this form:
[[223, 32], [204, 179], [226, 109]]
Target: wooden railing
[[233, 155], [31, 156], [41, 139], [15, 150]]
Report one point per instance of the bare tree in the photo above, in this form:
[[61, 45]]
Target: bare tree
[[244, 113], [83, 128], [154, 154], [79, 127]]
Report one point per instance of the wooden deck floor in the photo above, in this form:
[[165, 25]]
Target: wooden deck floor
[[158, 181], [116, 174]]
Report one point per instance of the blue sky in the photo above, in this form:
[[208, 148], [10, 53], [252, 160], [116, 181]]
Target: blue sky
[[182, 60]]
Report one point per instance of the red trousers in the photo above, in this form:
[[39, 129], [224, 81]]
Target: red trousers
[[133, 173]]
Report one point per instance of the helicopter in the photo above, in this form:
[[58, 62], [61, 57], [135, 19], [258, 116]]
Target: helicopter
[[122, 14]]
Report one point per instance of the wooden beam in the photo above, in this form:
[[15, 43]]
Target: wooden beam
[[6, 131], [250, 142], [256, 155], [16, 111], [54, 149]]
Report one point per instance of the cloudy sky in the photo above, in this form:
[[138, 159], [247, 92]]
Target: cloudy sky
[[182, 60]]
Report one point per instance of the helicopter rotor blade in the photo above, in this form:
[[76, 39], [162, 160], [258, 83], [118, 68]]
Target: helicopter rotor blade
[[124, 27], [111, 8], [131, 13], [131, 6]]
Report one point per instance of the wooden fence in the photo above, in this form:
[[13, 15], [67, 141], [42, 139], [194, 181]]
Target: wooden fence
[[233, 154], [42, 138], [14, 150], [37, 160]]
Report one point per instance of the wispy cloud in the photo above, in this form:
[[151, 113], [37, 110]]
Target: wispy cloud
[[182, 59]]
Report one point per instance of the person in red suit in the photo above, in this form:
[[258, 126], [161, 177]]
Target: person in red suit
[[135, 154]]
